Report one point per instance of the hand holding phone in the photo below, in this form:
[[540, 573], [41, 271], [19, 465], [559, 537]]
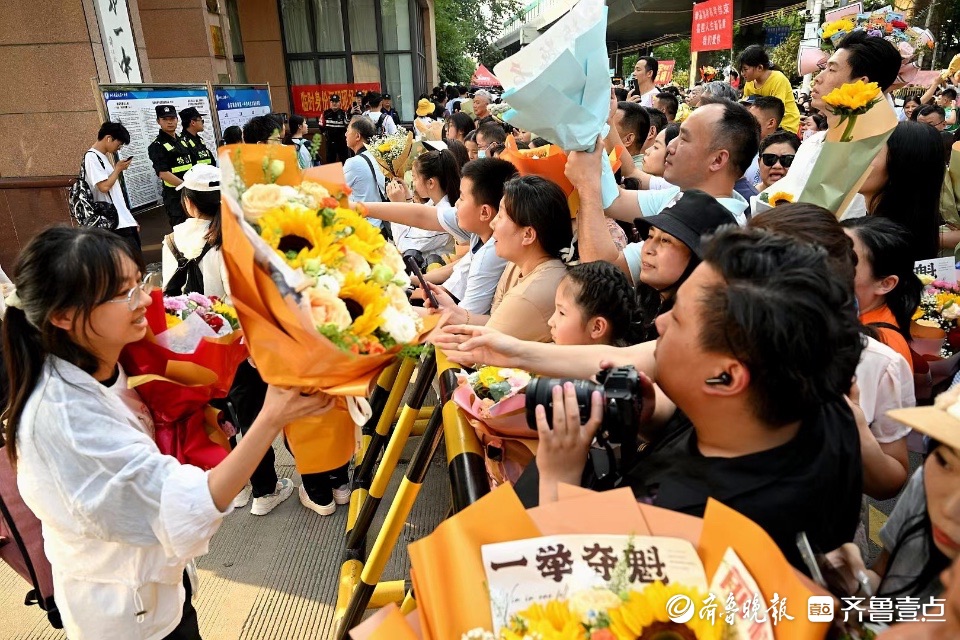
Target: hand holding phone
[[415, 269], [124, 164]]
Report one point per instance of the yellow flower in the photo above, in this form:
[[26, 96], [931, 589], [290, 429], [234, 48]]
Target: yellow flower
[[172, 321], [917, 314], [489, 376], [368, 302], [853, 98], [836, 26], [554, 621], [385, 146], [227, 312], [587, 604], [646, 610], [780, 197], [297, 234], [363, 238]]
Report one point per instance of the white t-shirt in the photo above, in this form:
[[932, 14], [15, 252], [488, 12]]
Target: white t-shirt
[[475, 277], [98, 168], [646, 99], [188, 236], [423, 240], [886, 383], [389, 126]]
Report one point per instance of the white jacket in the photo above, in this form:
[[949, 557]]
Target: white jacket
[[120, 520], [188, 236]]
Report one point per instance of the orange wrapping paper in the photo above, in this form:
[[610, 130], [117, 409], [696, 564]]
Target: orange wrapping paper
[[286, 353]]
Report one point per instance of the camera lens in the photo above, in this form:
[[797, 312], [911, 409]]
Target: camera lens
[[540, 391]]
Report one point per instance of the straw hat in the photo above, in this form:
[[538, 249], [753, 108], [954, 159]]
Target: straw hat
[[941, 421], [425, 107]]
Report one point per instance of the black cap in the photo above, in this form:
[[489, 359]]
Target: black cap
[[691, 214], [334, 98], [189, 114], [386, 96], [166, 111]]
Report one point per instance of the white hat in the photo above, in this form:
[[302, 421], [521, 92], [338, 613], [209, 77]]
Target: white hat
[[941, 421], [202, 177]]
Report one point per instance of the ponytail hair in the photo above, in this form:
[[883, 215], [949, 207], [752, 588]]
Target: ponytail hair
[[59, 270], [293, 125], [443, 166], [208, 205], [602, 289]]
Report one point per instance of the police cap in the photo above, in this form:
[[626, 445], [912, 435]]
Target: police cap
[[166, 111]]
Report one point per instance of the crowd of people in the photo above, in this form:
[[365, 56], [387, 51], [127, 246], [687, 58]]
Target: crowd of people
[[770, 345]]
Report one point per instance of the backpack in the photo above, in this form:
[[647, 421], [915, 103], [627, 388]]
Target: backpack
[[86, 211], [380, 128], [188, 278]]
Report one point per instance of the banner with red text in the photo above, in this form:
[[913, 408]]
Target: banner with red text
[[712, 28], [664, 72], [310, 100]]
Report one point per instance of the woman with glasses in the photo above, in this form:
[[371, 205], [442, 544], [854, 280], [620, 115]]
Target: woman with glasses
[[777, 152], [120, 520]]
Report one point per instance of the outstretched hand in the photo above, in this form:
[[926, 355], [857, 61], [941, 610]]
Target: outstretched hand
[[469, 344]]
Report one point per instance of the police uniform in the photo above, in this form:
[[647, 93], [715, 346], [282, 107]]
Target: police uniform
[[170, 153], [333, 124], [198, 149], [393, 113]]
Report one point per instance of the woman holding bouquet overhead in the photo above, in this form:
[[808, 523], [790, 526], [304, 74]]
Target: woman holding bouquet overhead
[[120, 520]]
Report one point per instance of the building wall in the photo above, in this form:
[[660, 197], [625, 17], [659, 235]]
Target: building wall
[[178, 39], [263, 49]]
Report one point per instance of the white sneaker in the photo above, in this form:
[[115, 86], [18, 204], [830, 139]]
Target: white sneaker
[[323, 510], [243, 497], [266, 504], [341, 495]]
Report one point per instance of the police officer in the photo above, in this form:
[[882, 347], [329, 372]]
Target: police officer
[[171, 159], [388, 109], [192, 121], [333, 124]]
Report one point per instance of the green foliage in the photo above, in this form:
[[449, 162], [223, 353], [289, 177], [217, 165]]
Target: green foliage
[[679, 51], [466, 32], [681, 77], [629, 63]]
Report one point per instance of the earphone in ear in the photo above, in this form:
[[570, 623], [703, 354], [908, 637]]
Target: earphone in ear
[[722, 379]]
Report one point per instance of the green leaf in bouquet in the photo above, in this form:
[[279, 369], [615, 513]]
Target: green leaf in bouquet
[[499, 390]]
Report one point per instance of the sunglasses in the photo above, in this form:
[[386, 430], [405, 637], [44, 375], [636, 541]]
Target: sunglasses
[[771, 159]]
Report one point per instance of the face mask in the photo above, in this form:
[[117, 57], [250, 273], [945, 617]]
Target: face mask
[[482, 153], [807, 134]]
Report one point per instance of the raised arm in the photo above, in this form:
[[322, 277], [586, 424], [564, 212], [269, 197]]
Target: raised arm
[[421, 216]]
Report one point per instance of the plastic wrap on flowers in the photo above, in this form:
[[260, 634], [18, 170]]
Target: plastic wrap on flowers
[[178, 387], [316, 288]]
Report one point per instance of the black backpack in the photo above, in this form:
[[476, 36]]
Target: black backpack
[[86, 211], [188, 278], [380, 128]]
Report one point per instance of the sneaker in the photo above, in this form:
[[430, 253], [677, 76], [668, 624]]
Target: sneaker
[[323, 510], [341, 495], [264, 505], [243, 497]]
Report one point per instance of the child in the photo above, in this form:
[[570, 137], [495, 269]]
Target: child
[[120, 520], [596, 305]]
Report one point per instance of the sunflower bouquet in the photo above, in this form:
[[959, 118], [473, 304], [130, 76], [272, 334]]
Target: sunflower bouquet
[[394, 153], [850, 101], [320, 293]]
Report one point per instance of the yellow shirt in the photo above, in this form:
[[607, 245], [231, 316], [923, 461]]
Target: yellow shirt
[[778, 86]]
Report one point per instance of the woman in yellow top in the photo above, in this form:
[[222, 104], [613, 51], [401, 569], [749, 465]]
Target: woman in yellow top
[[761, 78]]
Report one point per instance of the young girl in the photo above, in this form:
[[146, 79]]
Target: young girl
[[761, 77], [297, 128], [470, 141], [595, 305], [120, 520], [200, 234], [436, 179], [651, 176]]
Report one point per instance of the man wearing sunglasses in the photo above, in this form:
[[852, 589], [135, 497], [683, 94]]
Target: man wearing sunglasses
[[777, 152]]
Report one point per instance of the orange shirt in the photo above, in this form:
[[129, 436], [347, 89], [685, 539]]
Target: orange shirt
[[889, 337]]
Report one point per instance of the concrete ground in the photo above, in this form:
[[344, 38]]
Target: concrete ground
[[270, 577]]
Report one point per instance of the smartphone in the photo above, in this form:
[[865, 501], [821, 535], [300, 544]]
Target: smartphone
[[415, 269]]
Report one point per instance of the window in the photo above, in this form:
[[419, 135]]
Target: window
[[296, 27], [399, 76], [333, 70], [303, 72], [329, 22], [366, 68], [363, 27], [395, 17]]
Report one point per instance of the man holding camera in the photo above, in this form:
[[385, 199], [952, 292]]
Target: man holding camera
[[752, 365]]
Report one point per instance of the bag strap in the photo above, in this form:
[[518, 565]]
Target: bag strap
[[383, 116], [383, 197], [24, 552], [177, 254], [102, 166]]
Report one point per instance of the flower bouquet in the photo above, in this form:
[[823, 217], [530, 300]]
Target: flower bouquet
[[318, 290], [707, 73], [860, 123], [393, 152], [599, 566], [934, 328], [188, 358], [494, 401]]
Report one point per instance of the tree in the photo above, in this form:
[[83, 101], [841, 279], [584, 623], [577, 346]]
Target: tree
[[679, 51], [466, 32]]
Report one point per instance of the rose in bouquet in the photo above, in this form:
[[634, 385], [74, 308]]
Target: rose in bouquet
[[187, 359], [318, 290], [393, 152]]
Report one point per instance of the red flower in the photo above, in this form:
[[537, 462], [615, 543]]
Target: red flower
[[329, 203], [213, 320], [899, 24]]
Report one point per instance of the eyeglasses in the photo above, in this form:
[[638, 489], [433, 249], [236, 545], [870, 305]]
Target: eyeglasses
[[147, 286], [771, 159]]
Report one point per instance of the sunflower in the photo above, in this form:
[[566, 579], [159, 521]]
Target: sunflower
[[359, 236], [780, 197], [366, 302], [853, 98], [643, 616], [554, 621], [297, 234]]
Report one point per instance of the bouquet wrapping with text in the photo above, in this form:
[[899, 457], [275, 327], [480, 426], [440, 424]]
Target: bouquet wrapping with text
[[318, 290], [394, 153], [494, 400], [860, 123], [599, 566], [565, 68], [188, 358]]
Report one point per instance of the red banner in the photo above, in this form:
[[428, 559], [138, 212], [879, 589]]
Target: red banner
[[664, 72], [712, 26], [310, 100]]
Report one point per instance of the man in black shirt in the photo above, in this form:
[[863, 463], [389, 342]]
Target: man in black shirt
[[333, 125], [171, 159], [192, 121], [757, 353]]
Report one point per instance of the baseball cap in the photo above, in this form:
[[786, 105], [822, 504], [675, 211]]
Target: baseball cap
[[165, 111], [334, 98], [691, 214], [941, 421], [202, 177], [190, 113], [425, 107]]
